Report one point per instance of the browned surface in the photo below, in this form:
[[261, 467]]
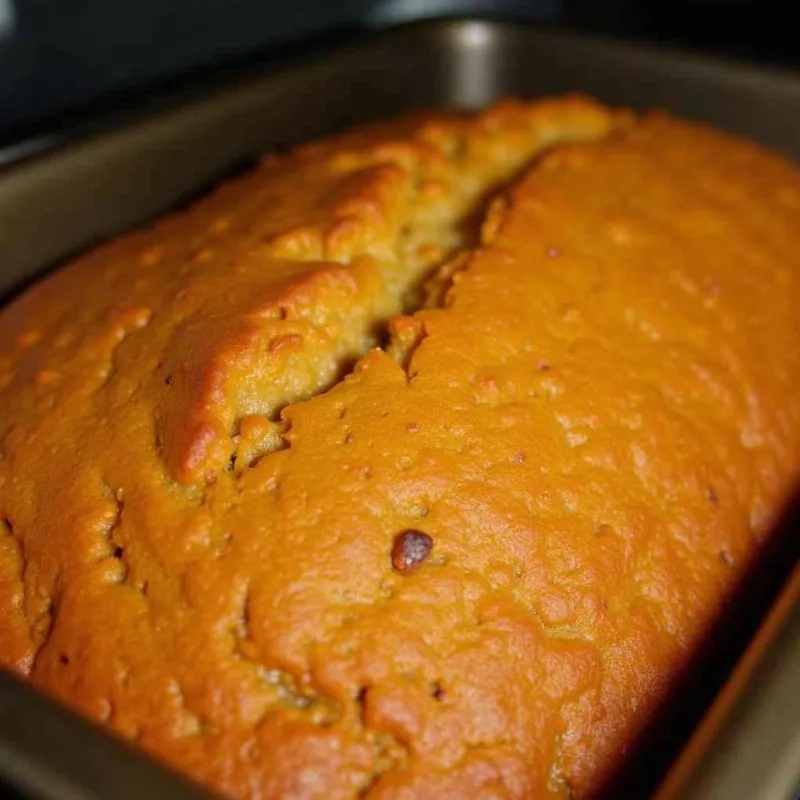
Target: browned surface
[[595, 429]]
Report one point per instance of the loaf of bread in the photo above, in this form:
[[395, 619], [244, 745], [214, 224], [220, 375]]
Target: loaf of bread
[[415, 463]]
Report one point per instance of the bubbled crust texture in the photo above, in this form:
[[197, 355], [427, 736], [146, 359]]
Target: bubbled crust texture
[[595, 422]]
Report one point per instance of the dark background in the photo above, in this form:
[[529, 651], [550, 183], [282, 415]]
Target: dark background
[[61, 54]]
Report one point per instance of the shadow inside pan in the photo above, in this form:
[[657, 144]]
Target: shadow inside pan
[[712, 663]]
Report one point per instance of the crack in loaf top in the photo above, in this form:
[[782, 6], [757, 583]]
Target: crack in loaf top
[[267, 288], [471, 567]]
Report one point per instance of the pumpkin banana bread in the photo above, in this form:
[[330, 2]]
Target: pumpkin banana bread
[[413, 464]]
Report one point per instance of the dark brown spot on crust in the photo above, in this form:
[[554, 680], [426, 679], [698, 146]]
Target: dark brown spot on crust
[[437, 693], [604, 530], [410, 549], [712, 497], [725, 557], [168, 380]]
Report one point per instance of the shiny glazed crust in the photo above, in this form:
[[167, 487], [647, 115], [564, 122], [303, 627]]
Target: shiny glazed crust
[[466, 566]]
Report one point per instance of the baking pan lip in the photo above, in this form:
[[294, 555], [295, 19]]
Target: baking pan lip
[[135, 104], [129, 105], [45, 746]]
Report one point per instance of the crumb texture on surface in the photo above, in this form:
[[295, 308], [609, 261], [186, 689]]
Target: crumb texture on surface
[[296, 558]]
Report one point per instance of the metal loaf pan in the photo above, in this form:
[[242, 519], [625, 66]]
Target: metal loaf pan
[[61, 191]]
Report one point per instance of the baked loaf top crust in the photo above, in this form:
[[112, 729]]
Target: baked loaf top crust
[[470, 567]]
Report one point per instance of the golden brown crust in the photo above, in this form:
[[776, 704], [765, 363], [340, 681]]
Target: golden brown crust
[[587, 429]]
